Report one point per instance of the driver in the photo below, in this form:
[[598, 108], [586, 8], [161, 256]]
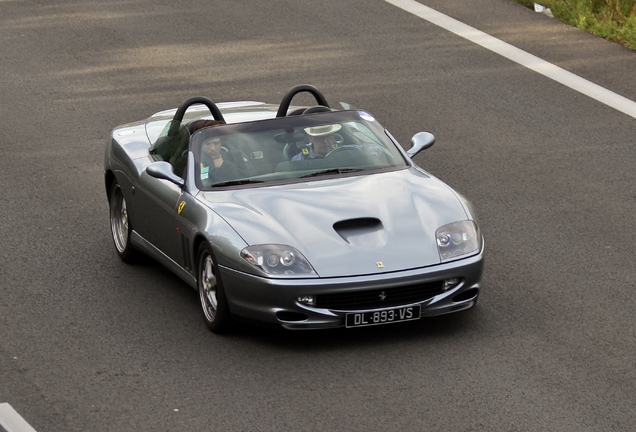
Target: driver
[[322, 142]]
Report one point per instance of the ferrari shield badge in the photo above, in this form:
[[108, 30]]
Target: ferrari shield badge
[[181, 206]]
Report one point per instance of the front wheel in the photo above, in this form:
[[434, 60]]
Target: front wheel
[[216, 312], [120, 226]]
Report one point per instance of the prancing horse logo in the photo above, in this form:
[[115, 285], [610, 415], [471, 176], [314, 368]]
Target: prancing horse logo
[[383, 296]]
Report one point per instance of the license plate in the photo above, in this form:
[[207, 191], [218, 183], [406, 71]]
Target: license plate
[[385, 316]]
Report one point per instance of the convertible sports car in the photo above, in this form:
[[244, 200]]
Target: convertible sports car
[[299, 216]]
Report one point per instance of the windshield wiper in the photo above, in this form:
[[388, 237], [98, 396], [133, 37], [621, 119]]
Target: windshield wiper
[[332, 171], [236, 182]]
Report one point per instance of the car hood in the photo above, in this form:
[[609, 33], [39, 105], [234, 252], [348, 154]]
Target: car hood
[[350, 226]]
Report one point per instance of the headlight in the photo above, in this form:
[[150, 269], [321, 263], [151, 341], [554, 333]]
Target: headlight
[[457, 239], [277, 260]]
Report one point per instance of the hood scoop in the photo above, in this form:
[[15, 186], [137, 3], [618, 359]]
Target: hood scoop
[[362, 232]]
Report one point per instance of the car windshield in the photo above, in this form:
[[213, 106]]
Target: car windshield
[[294, 148]]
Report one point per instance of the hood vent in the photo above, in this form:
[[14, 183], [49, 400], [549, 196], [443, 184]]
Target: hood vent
[[352, 228]]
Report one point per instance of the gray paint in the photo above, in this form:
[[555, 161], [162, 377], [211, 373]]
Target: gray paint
[[407, 205]]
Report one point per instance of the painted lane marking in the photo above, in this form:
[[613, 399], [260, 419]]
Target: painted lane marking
[[11, 421], [519, 56]]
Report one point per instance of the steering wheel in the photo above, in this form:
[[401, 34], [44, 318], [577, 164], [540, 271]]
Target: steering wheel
[[343, 149]]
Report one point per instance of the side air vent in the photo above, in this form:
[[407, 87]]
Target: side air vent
[[185, 250]]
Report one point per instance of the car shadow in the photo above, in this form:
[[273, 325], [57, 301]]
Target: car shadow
[[428, 329]]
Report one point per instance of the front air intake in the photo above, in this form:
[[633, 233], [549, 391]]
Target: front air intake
[[466, 295], [291, 316], [377, 298]]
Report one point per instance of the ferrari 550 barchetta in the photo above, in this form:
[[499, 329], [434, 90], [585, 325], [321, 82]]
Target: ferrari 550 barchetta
[[300, 216]]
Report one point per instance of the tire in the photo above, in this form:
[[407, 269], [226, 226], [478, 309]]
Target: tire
[[120, 226], [216, 312]]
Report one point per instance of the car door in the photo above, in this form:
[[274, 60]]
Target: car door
[[157, 209]]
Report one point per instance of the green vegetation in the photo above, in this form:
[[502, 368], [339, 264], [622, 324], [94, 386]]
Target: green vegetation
[[610, 19]]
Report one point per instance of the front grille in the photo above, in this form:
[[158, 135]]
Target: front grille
[[379, 298]]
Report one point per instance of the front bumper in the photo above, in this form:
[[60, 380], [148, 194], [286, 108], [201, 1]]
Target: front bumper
[[275, 301]]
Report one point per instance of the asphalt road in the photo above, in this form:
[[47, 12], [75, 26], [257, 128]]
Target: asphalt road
[[88, 343]]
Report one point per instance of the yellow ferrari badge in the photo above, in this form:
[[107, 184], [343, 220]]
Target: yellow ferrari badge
[[379, 264], [181, 206]]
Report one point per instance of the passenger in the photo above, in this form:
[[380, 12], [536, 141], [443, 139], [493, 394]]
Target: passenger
[[322, 142], [213, 168]]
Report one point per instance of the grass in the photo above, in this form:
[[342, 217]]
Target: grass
[[610, 19]]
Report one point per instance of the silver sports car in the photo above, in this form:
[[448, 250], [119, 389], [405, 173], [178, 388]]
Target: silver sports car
[[299, 216]]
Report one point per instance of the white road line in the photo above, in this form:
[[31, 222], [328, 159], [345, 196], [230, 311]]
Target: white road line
[[11, 421], [521, 57]]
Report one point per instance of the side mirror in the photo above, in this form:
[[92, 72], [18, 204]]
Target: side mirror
[[163, 171], [420, 141]]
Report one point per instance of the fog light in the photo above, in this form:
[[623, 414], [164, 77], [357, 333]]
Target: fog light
[[451, 283], [308, 300]]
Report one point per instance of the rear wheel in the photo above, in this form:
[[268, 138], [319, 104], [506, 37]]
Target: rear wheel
[[120, 226], [216, 312]]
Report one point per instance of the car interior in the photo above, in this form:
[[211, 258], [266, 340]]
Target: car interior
[[268, 151]]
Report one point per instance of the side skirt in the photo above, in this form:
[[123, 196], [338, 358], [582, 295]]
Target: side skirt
[[145, 246]]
